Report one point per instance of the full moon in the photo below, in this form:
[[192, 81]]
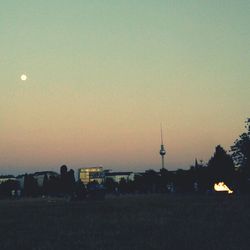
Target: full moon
[[23, 77]]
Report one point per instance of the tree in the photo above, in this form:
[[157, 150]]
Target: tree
[[183, 181], [63, 170], [221, 166], [200, 176], [164, 180], [67, 180], [7, 187], [122, 186], [45, 187], [30, 185], [139, 184], [241, 151], [151, 180], [110, 185], [70, 181], [80, 190], [54, 186]]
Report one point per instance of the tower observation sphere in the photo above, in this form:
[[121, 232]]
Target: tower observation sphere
[[162, 150]]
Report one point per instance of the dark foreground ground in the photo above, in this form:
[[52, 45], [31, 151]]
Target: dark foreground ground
[[128, 222]]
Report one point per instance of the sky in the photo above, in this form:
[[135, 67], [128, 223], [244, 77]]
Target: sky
[[103, 76]]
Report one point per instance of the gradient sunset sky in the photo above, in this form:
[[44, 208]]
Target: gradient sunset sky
[[103, 75]]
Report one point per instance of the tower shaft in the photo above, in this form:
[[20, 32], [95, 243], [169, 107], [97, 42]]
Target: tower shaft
[[162, 162]]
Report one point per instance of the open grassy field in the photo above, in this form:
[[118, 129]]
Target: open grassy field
[[128, 222]]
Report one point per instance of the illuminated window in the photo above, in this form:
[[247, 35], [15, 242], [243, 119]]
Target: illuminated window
[[87, 175]]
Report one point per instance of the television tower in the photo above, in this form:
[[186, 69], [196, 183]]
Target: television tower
[[162, 151]]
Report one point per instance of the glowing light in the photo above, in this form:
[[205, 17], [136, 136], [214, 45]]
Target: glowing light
[[23, 77], [222, 187]]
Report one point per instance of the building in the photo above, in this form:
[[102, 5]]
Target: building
[[39, 176], [87, 175], [117, 176], [20, 179], [4, 178]]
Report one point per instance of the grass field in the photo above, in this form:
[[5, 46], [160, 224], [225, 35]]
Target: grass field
[[128, 222]]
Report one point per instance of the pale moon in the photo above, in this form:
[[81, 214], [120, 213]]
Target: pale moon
[[24, 77]]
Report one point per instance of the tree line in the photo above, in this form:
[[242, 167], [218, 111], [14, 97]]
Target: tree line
[[232, 167]]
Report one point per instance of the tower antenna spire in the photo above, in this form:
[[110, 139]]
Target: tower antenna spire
[[161, 135]]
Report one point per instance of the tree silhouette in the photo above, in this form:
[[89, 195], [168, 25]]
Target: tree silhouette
[[241, 150], [151, 179], [63, 170], [165, 179], [45, 187], [7, 187], [183, 181], [200, 177], [110, 185], [63, 179], [139, 184], [67, 181], [30, 185], [70, 181], [80, 190], [122, 186], [221, 166], [54, 186]]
